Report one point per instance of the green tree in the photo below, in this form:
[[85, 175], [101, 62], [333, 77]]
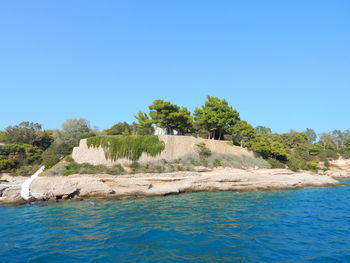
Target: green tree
[[25, 132], [17, 155], [73, 130], [346, 150], [216, 117], [28, 133], [55, 153], [294, 138], [44, 139], [144, 124], [263, 130], [269, 146], [339, 139], [327, 141], [310, 135], [7, 164], [346, 136], [184, 121], [120, 128], [2, 136], [32, 154], [297, 144], [315, 149], [203, 150], [171, 117], [242, 132]]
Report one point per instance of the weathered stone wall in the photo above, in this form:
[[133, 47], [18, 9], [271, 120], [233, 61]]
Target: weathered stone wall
[[175, 147]]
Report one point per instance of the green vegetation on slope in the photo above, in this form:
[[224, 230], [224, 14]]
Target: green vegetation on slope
[[86, 168], [19, 158], [185, 163], [128, 146], [26, 145]]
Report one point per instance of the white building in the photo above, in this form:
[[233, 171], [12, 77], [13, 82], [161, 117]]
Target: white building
[[162, 131]]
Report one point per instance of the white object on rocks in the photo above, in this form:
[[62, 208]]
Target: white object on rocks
[[25, 192]]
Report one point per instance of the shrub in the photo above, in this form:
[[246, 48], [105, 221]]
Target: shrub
[[145, 169], [313, 166], [115, 170], [217, 163], [296, 164], [170, 168], [203, 150], [185, 163], [50, 157], [159, 169], [237, 161], [345, 153], [180, 168], [216, 159], [194, 162], [69, 158], [328, 154], [204, 161], [26, 170], [7, 164], [71, 168], [54, 154], [135, 165], [86, 168], [230, 143], [33, 153], [275, 164]]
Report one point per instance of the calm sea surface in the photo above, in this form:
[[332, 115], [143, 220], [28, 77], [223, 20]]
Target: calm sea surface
[[309, 225]]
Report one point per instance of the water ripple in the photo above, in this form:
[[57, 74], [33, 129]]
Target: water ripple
[[310, 225]]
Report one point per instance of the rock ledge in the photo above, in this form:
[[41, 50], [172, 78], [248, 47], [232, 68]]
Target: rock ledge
[[80, 186]]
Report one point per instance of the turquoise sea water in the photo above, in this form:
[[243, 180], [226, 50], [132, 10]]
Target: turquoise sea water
[[309, 225]]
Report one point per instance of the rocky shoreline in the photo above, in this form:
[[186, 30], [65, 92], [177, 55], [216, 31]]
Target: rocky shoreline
[[104, 186]]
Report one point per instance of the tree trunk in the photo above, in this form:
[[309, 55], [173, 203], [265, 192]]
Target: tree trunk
[[169, 131], [220, 134]]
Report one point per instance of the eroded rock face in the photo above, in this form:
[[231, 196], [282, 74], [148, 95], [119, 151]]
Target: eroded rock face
[[339, 168], [53, 188], [10, 189], [340, 164], [338, 173], [69, 187]]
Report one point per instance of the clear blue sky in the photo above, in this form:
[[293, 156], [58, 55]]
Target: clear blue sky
[[282, 64]]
